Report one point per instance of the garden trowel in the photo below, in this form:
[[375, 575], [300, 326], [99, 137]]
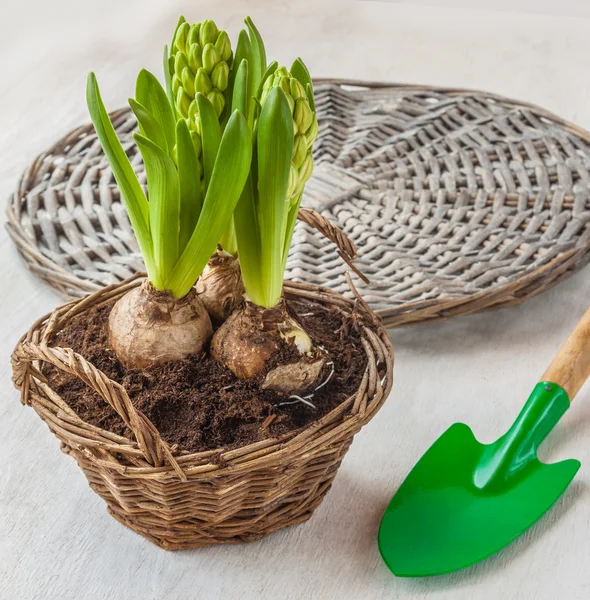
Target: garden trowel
[[464, 501]]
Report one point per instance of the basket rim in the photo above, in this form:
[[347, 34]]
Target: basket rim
[[32, 349]]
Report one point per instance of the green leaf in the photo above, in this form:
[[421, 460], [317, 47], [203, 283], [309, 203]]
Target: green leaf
[[168, 78], [228, 240], [243, 48], [150, 93], [210, 136], [290, 228], [300, 72], [243, 52], [274, 148], [258, 64], [227, 182], [189, 175], [240, 96], [248, 240], [163, 186], [131, 190], [310, 96], [148, 126]]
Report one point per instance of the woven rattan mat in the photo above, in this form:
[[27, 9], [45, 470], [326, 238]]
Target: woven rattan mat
[[458, 200]]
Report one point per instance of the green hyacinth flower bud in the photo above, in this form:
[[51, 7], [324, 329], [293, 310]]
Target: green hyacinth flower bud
[[296, 89], [203, 82], [211, 57], [183, 102], [195, 57], [305, 127], [216, 98], [220, 76], [208, 33], [223, 45], [180, 63], [188, 82], [299, 150], [193, 34], [312, 133], [200, 58], [306, 169], [293, 184], [176, 84], [302, 115], [196, 138], [180, 37]]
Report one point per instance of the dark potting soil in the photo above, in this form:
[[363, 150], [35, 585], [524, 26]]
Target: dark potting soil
[[196, 403]]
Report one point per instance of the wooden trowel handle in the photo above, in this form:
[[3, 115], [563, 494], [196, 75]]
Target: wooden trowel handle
[[571, 367]]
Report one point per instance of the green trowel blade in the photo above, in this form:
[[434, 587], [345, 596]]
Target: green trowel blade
[[464, 500]]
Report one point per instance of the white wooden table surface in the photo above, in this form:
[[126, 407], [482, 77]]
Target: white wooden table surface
[[56, 540]]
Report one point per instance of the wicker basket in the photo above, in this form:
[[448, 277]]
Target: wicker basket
[[179, 500]]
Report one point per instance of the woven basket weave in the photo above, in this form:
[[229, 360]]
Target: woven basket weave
[[179, 500], [459, 200]]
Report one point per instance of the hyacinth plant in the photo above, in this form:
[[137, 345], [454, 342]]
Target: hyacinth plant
[[199, 61], [227, 152], [179, 223], [280, 110]]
